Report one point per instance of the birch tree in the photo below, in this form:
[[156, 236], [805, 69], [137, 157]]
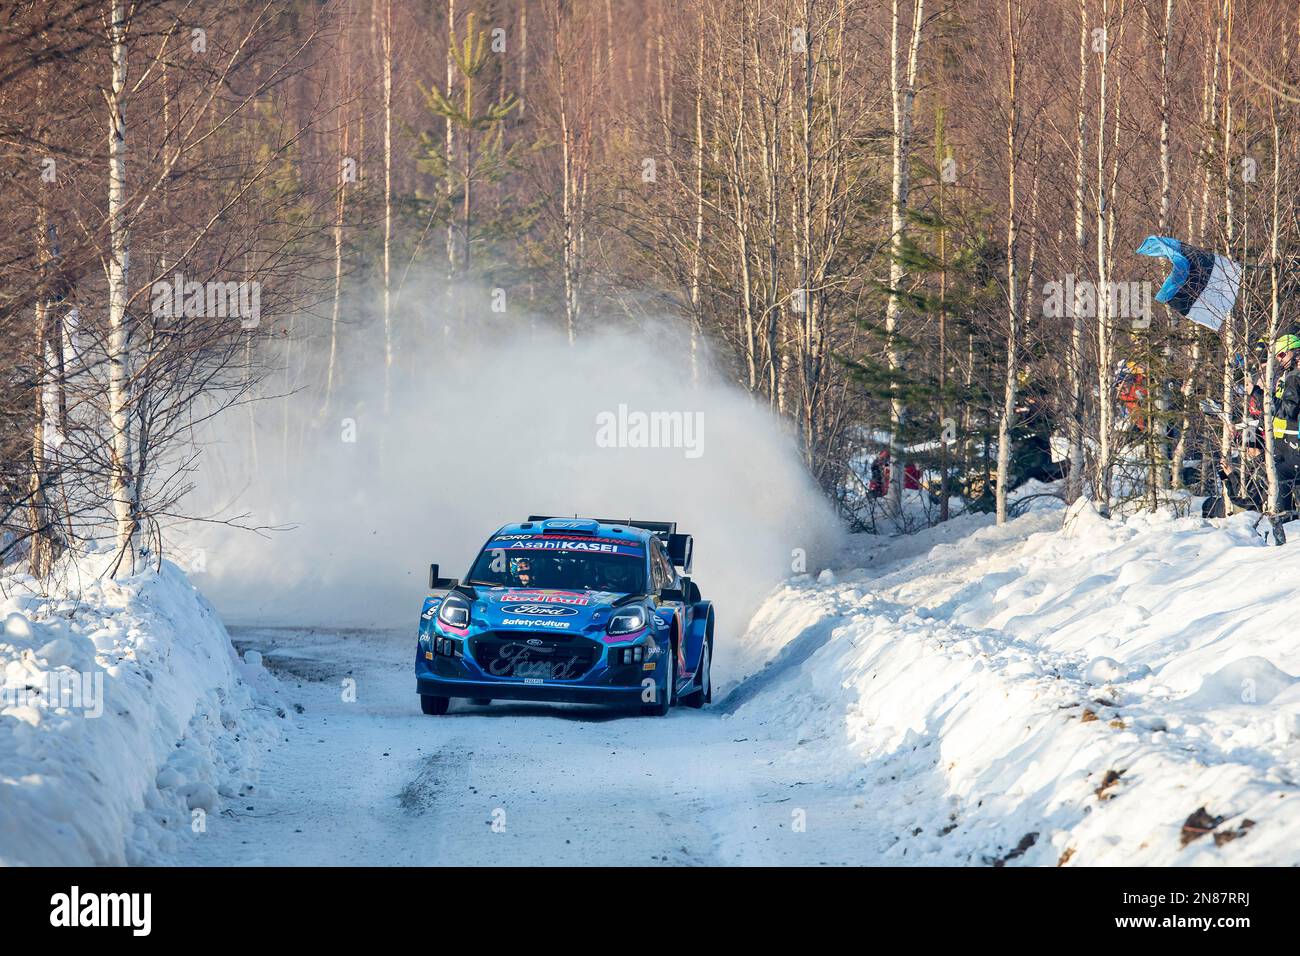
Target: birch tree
[[122, 478], [902, 84], [387, 44], [1077, 410], [1005, 421]]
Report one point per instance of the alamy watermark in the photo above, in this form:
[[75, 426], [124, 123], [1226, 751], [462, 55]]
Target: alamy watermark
[[1083, 297], [75, 908], [176, 298], [637, 429], [83, 691]]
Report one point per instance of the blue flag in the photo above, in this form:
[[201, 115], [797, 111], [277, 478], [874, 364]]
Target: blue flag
[[1203, 286]]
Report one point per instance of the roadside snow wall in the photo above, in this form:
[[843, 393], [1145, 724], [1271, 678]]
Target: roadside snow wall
[[1103, 692], [125, 717]]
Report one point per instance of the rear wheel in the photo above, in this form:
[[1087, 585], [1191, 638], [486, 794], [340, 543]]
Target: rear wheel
[[664, 698], [434, 706], [703, 692]]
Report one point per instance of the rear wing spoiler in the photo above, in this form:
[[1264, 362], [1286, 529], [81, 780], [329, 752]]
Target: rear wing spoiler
[[681, 547]]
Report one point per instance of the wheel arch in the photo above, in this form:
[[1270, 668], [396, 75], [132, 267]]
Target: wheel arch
[[700, 632]]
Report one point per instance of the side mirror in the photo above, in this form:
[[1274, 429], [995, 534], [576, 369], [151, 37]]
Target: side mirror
[[672, 594], [681, 551], [692, 591], [440, 584]]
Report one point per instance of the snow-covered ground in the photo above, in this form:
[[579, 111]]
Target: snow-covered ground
[[1098, 693], [1061, 690], [125, 717]]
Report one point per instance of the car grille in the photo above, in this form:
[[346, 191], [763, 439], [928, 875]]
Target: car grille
[[510, 655]]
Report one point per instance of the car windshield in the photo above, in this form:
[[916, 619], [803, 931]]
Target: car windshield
[[521, 565]]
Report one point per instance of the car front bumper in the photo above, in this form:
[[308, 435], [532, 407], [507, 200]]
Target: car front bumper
[[458, 676], [516, 690]]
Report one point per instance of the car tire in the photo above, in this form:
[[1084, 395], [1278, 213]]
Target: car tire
[[661, 707], [434, 706], [703, 693]]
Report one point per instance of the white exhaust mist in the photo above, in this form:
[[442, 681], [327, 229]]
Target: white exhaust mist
[[491, 427]]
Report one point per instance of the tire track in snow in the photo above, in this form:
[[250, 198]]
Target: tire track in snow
[[376, 782]]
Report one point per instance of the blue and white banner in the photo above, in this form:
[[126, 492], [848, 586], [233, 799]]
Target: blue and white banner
[[1203, 286]]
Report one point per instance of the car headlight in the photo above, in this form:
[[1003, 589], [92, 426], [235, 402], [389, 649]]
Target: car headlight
[[454, 612], [628, 620]]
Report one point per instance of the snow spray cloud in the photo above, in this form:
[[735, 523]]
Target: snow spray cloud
[[489, 422]]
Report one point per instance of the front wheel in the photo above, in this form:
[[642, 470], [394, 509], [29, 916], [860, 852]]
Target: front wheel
[[664, 698], [703, 692], [434, 706]]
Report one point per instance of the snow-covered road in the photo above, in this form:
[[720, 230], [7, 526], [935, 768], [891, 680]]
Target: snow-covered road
[[1049, 692], [373, 781]]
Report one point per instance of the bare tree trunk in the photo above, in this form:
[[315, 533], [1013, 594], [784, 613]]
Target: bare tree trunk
[[737, 174], [340, 204], [1229, 345], [801, 218], [903, 95], [1013, 296], [569, 237], [1164, 115], [665, 93], [121, 474], [1075, 420], [609, 37], [697, 252], [572, 186], [388, 204], [1158, 384], [40, 550], [467, 197], [523, 58], [450, 145], [945, 443], [771, 169], [1104, 374], [1209, 110]]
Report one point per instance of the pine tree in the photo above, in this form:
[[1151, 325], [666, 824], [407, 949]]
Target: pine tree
[[484, 157]]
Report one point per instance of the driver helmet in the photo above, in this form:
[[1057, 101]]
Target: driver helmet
[[618, 579], [521, 569]]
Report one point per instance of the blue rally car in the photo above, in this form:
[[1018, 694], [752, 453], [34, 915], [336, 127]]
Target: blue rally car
[[570, 609]]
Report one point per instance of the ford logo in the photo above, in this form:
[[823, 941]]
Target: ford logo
[[535, 642], [549, 610]]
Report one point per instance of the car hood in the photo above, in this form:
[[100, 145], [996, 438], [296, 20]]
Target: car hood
[[543, 609]]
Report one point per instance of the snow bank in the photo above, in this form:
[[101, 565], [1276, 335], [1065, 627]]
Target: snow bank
[[125, 717], [1053, 691]]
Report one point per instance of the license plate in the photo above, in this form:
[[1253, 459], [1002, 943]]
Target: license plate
[[533, 680]]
